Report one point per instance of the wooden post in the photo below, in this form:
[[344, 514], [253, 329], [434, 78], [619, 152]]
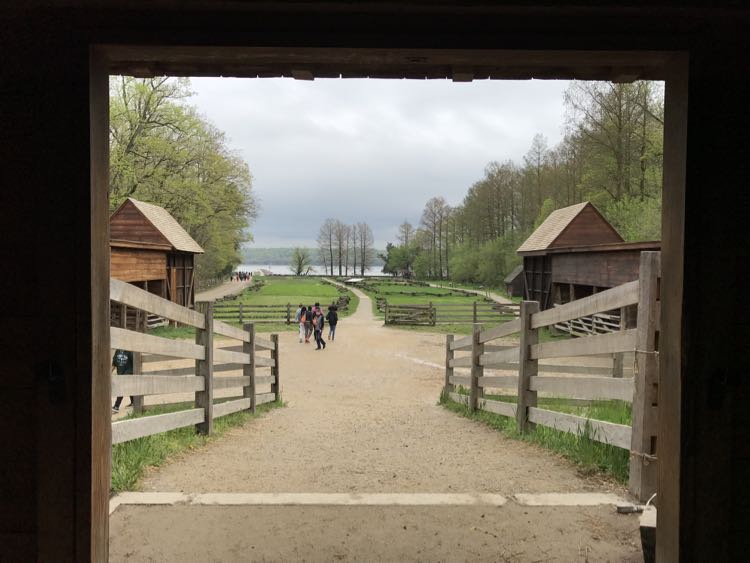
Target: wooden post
[[618, 360], [248, 370], [643, 447], [527, 368], [205, 368], [477, 349], [432, 314], [141, 318], [288, 313], [242, 320], [449, 354], [386, 313], [474, 315], [275, 387]]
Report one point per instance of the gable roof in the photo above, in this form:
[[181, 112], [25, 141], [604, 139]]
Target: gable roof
[[167, 226], [514, 274], [556, 224]]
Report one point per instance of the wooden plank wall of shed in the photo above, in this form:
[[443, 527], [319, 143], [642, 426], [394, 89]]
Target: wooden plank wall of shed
[[136, 264], [598, 269], [50, 457], [129, 224], [588, 227]]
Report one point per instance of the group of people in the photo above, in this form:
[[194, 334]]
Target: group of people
[[241, 276], [312, 322]]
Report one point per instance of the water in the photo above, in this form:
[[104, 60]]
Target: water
[[281, 269]]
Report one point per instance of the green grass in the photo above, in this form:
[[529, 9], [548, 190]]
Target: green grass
[[589, 455], [130, 460]]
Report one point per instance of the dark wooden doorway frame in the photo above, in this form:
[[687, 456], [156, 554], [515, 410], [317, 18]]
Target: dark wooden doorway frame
[[460, 66]]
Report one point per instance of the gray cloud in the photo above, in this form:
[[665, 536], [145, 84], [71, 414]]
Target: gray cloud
[[371, 150]]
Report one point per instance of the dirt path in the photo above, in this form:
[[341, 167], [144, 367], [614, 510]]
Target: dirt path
[[361, 417], [489, 294], [227, 288]]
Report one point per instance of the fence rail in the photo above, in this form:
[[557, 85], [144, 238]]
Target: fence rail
[[259, 314], [640, 391], [200, 379], [446, 313]]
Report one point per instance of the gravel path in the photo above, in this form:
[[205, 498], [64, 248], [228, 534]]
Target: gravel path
[[227, 288], [361, 416]]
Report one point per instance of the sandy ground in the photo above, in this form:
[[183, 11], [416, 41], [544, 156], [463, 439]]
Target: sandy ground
[[361, 416]]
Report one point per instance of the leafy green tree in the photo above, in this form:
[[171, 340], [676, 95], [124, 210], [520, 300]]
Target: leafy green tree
[[301, 261], [163, 152]]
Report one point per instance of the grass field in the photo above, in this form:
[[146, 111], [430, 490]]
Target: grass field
[[588, 454], [130, 460], [277, 291]]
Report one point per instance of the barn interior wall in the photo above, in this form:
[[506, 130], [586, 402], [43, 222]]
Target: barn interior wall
[[46, 212]]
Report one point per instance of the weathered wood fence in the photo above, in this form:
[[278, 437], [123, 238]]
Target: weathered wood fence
[[199, 380], [284, 313], [448, 313], [640, 390]]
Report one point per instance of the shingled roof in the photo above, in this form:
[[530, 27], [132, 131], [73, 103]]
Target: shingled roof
[[561, 219], [167, 226]]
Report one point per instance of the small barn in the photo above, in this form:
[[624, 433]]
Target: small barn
[[151, 250], [574, 253], [514, 282]]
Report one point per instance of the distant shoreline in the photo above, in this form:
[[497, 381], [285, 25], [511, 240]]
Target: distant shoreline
[[282, 256]]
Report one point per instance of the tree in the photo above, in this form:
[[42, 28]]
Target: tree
[[326, 243], [340, 239], [405, 233], [163, 152], [301, 262], [366, 240]]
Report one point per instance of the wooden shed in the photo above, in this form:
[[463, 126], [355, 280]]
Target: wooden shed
[[575, 253], [514, 284], [151, 250]]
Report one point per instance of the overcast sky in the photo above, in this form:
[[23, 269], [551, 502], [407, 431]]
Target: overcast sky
[[370, 150]]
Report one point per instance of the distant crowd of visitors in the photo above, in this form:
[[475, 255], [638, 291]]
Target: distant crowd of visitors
[[312, 322], [241, 276]]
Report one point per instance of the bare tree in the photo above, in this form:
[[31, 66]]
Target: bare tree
[[355, 248], [339, 244], [366, 240], [405, 233], [301, 262], [326, 243]]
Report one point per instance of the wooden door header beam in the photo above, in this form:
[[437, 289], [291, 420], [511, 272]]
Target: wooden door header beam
[[315, 62]]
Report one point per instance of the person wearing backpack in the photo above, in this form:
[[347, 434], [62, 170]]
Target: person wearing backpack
[[333, 318], [122, 361], [318, 324]]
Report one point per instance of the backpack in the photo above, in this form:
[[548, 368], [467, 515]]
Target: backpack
[[309, 316], [121, 359]]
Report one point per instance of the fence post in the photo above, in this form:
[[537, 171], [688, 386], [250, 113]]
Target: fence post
[[275, 386], [643, 447], [477, 370], [618, 360], [205, 368], [288, 313], [527, 368], [449, 354], [141, 319], [386, 313], [248, 370], [474, 314], [432, 314]]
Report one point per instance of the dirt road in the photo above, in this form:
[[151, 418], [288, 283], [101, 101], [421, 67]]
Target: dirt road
[[361, 417], [223, 290]]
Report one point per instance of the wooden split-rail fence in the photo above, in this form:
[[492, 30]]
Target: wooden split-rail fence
[[432, 314], [279, 314], [641, 390], [199, 380]]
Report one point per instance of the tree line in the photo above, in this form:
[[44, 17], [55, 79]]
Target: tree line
[[343, 248], [162, 151], [611, 155]]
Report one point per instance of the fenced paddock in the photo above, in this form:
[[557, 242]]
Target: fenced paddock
[[432, 314], [199, 380], [527, 381]]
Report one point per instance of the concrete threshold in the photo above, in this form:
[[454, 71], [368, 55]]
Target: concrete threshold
[[360, 499]]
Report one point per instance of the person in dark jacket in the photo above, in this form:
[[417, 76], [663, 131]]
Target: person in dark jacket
[[122, 361], [333, 318], [308, 323], [319, 322]]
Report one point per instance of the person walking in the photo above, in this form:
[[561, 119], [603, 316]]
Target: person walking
[[299, 318], [318, 324], [122, 361], [333, 318], [308, 323]]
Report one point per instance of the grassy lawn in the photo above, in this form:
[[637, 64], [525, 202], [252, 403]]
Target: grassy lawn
[[478, 287], [589, 455], [276, 291], [130, 460]]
